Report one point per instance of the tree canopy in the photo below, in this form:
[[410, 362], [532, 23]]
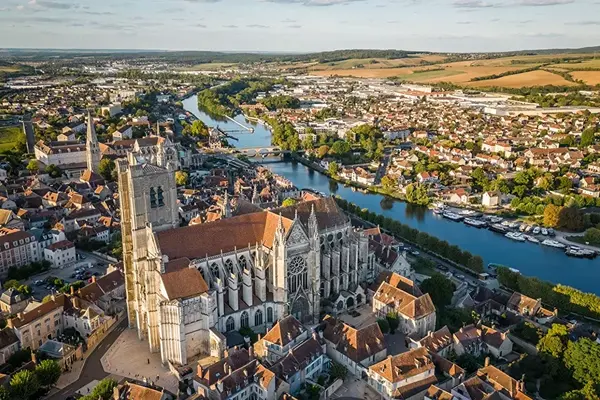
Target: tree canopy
[[439, 288]]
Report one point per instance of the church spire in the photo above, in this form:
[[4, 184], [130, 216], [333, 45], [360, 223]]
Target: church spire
[[92, 148]]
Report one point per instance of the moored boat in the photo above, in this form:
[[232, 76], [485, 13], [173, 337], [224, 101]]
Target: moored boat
[[531, 239], [475, 222], [553, 243], [497, 228], [452, 216], [515, 236]]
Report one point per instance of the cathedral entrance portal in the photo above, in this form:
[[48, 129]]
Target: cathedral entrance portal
[[301, 310]]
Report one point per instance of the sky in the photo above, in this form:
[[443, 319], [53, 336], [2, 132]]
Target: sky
[[300, 25]]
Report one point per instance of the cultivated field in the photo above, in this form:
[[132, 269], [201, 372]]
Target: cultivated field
[[462, 72], [8, 137], [589, 77], [532, 78]]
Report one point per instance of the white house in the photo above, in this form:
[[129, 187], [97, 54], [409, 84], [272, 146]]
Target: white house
[[60, 254], [490, 199]]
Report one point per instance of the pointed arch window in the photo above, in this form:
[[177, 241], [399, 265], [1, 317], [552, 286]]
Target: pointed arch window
[[214, 269], [242, 262], [230, 324], [269, 314], [244, 321], [258, 318]]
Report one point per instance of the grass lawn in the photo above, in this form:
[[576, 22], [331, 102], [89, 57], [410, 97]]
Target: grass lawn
[[580, 240], [9, 135]]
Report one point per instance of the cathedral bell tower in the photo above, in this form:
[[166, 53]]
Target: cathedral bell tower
[[92, 152]]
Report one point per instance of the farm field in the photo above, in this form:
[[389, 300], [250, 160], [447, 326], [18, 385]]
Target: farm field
[[209, 66], [589, 77], [9, 135], [532, 78]]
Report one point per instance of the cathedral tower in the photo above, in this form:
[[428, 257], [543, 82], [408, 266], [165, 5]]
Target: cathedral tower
[[92, 153], [148, 196]]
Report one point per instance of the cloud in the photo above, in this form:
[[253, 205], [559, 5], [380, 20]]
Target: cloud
[[288, 21], [55, 5], [99, 13], [257, 26], [471, 4], [543, 3], [315, 3], [20, 7], [464, 22], [582, 23], [202, 1], [295, 26], [230, 26], [199, 26]]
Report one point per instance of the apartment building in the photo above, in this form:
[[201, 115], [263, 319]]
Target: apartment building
[[17, 248]]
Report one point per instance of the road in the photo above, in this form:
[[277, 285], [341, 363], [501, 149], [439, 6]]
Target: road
[[92, 369]]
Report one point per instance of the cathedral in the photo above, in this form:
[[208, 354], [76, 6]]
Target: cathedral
[[187, 287]]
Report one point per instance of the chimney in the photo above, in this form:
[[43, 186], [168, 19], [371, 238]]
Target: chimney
[[116, 394], [33, 357], [521, 383], [251, 352], [228, 369], [225, 353], [486, 362], [93, 278], [53, 297], [315, 335], [72, 290], [200, 370], [75, 301], [259, 335]]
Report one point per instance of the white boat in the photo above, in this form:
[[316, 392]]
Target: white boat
[[515, 236], [531, 239], [536, 230], [528, 228], [522, 227], [495, 220], [575, 251], [505, 223], [475, 222], [553, 243], [438, 211], [544, 231], [452, 216], [513, 225]]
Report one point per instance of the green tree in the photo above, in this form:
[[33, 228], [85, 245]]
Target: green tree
[[417, 194], [393, 321], [551, 215], [440, 289], [47, 372], [307, 143], [33, 166], [554, 342], [289, 202], [587, 137], [103, 390], [197, 129], [467, 362], [106, 168], [181, 178], [475, 263], [388, 183], [570, 219], [384, 325], [581, 357], [592, 235], [333, 168], [53, 171], [4, 393], [338, 371], [340, 148], [23, 385]]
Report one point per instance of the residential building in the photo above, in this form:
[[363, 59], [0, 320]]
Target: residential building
[[438, 342], [60, 254], [482, 340], [12, 301], [407, 375], [356, 349], [280, 339], [9, 344], [17, 248]]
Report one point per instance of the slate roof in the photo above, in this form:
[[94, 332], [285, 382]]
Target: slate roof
[[356, 344]]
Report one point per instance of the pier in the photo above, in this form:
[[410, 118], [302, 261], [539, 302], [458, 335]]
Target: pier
[[248, 128]]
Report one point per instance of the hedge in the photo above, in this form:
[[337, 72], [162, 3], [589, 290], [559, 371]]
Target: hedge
[[430, 243]]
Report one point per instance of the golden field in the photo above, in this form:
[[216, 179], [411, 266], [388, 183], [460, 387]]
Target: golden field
[[462, 72]]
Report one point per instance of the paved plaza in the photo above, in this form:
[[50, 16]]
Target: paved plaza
[[129, 357], [365, 318], [354, 388]]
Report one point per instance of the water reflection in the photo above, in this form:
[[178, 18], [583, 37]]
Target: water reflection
[[386, 203], [415, 211], [333, 186]]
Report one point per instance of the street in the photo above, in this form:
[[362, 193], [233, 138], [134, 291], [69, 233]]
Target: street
[[92, 369]]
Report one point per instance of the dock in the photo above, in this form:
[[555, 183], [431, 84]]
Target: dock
[[248, 128]]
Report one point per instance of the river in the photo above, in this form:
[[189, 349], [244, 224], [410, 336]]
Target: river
[[531, 259]]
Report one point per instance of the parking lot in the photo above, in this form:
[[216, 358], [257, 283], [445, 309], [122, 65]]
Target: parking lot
[[93, 266]]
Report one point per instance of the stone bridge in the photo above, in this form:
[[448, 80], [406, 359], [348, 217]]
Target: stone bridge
[[263, 151]]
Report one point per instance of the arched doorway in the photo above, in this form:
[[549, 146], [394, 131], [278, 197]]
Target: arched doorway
[[340, 305], [301, 309], [359, 299], [350, 302]]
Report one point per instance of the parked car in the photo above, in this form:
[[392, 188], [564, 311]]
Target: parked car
[[415, 253], [39, 282], [442, 267], [460, 276]]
